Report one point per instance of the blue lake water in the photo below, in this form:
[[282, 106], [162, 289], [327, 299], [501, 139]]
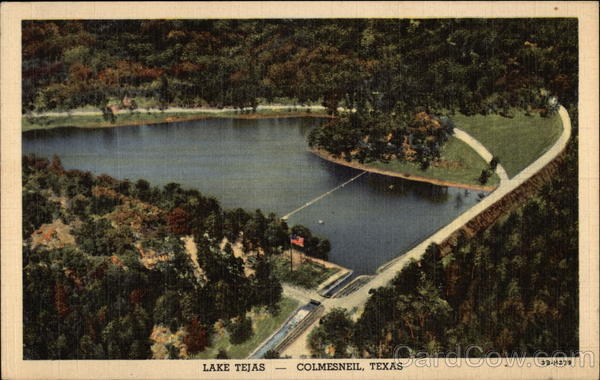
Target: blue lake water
[[266, 164]]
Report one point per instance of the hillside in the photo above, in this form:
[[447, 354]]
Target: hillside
[[121, 270]]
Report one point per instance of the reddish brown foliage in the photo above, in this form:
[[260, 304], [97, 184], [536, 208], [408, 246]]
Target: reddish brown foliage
[[116, 261], [78, 72], [56, 165], [196, 340], [109, 77], [72, 275], [60, 300], [150, 73], [136, 295], [178, 221], [98, 272], [185, 68]]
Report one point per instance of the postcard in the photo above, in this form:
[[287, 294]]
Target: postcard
[[299, 190]]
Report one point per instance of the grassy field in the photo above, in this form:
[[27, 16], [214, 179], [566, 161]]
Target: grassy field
[[263, 324], [141, 117], [468, 172], [92, 121], [517, 142], [308, 275]]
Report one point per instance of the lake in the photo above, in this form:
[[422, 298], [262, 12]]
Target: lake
[[266, 164]]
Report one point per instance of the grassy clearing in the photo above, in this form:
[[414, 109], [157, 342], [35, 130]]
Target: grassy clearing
[[308, 275], [468, 170], [263, 325], [141, 117], [517, 142], [93, 121]]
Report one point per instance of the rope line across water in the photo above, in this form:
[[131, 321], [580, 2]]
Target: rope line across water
[[321, 196]]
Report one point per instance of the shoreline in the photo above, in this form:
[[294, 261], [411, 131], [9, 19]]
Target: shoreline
[[199, 116], [439, 182], [268, 113]]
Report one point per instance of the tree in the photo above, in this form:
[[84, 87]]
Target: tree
[[240, 330], [97, 237], [494, 163], [178, 221], [164, 93], [276, 234], [271, 354], [142, 190], [90, 350], [367, 65], [485, 175], [167, 311], [87, 307], [267, 289], [37, 211], [222, 354], [233, 223], [333, 336], [196, 339]]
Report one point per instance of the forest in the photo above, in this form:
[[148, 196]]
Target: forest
[[512, 289], [114, 266], [401, 77], [107, 267]]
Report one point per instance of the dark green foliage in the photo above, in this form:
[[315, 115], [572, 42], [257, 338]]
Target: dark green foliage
[[313, 245], [42, 211], [142, 190], [384, 64], [97, 237], [267, 289], [375, 135], [333, 336], [494, 163], [234, 222], [102, 204], [271, 354], [69, 315], [484, 176], [222, 354], [240, 330], [96, 300], [108, 114], [513, 288]]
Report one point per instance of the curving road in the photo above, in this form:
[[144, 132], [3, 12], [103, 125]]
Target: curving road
[[481, 150], [388, 271]]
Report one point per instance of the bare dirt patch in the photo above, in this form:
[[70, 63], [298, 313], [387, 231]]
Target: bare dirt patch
[[54, 235]]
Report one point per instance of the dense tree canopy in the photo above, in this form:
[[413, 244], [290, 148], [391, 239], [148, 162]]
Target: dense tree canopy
[[105, 265], [471, 65], [399, 75], [511, 289], [514, 288]]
